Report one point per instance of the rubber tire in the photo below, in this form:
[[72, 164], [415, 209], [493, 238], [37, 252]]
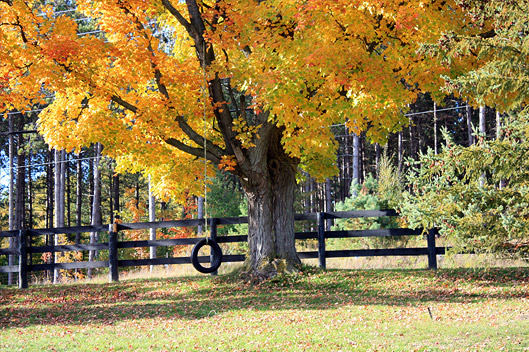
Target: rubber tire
[[217, 256]]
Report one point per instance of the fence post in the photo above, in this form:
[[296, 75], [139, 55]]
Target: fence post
[[213, 235], [113, 253], [432, 257], [321, 240], [23, 259]]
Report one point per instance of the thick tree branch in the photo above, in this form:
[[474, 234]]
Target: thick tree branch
[[212, 148], [206, 56], [173, 11], [198, 152]]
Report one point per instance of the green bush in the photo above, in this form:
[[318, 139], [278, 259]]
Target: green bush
[[384, 193], [479, 195]]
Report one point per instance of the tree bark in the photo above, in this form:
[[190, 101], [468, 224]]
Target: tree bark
[[50, 204], [328, 202], [483, 133], [96, 205], [79, 195], [356, 160], [11, 257], [152, 218], [20, 188], [269, 183], [59, 203], [436, 150], [31, 194], [482, 121], [469, 126], [498, 125], [115, 197], [400, 156]]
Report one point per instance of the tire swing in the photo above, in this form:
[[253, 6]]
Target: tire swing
[[216, 252], [216, 257]]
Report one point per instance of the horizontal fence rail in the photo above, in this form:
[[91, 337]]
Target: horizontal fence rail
[[24, 238]]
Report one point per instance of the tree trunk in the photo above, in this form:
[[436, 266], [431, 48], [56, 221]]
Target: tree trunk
[[96, 205], [20, 187], [482, 120], [49, 207], [328, 202], [68, 186], [78, 196], [115, 197], [469, 126], [59, 204], [78, 201], [356, 160], [152, 218], [31, 195], [377, 159], [11, 257], [498, 125], [269, 183], [436, 150], [400, 156], [483, 133]]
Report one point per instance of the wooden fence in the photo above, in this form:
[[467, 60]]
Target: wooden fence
[[25, 240]]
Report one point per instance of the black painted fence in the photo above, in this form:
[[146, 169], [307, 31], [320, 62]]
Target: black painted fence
[[25, 248]]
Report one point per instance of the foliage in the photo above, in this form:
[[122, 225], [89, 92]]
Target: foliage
[[499, 52], [367, 310], [225, 199], [126, 88], [66, 257], [478, 196], [384, 193]]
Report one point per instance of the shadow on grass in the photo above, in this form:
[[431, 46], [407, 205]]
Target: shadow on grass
[[202, 297]]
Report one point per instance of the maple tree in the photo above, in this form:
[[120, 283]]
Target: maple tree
[[251, 86]]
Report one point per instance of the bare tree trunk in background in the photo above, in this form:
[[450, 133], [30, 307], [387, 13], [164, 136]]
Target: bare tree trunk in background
[[482, 126], [11, 257], [503, 182], [91, 184], [377, 158], [362, 169], [413, 138], [356, 156], [115, 197], [436, 150], [152, 218], [50, 205], [312, 195], [483, 132], [96, 206], [328, 202], [31, 195], [469, 126], [68, 185], [78, 196], [78, 201], [498, 125], [59, 203], [400, 152], [19, 189]]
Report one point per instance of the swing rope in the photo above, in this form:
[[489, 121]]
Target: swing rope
[[216, 257], [204, 88]]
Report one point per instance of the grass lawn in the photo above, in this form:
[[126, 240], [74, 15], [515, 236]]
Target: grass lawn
[[393, 310]]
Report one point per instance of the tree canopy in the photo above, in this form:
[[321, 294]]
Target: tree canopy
[[251, 86], [137, 86]]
